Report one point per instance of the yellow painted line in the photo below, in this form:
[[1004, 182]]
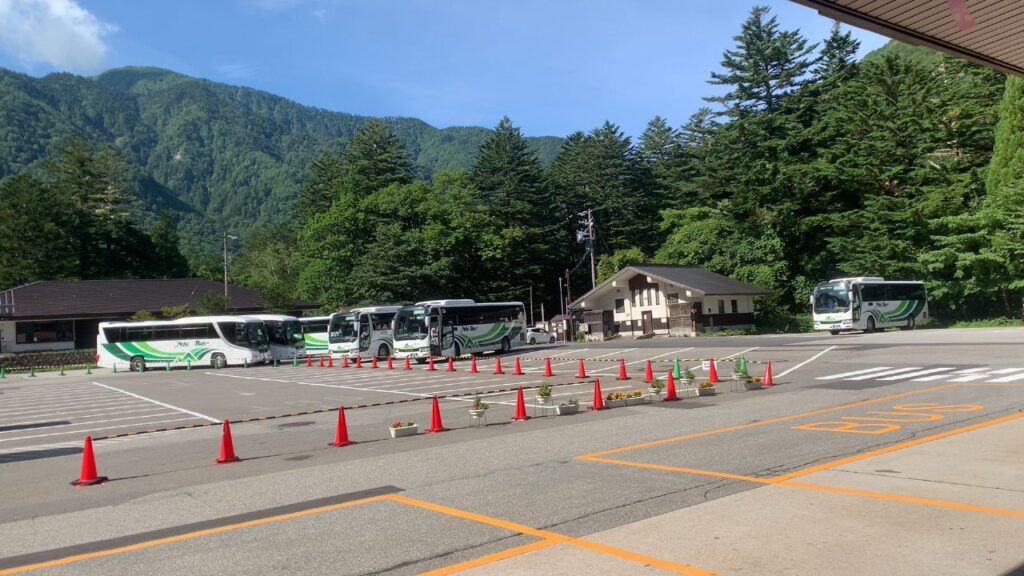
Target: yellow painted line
[[642, 558], [506, 524], [764, 422], [895, 447], [185, 536], [909, 499], [489, 558], [681, 469]]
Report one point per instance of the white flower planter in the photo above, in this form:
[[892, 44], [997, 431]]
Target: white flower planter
[[751, 385], [567, 409], [615, 403], [688, 393], [404, 431], [475, 414], [544, 400], [635, 400], [707, 391]]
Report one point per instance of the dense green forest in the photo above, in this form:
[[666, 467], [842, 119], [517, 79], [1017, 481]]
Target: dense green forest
[[806, 164], [217, 157]]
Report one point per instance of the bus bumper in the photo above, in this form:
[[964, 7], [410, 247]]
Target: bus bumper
[[416, 353]]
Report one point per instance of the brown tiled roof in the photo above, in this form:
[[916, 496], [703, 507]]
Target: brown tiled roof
[[117, 298]]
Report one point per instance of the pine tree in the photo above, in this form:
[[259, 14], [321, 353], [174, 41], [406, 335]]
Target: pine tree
[[374, 158], [837, 60], [661, 152], [167, 261]]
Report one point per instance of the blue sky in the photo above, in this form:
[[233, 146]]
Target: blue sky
[[553, 66]]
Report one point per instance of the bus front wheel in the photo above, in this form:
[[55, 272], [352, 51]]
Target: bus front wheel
[[506, 345], [138, 364], [218, 361], [383, 352], [834, 332], [870, 326], [910, 324], [458, 350]]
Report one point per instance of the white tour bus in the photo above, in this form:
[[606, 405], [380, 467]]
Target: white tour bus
[[456, 327], [314, 333], [284, 336], [868, 303], [362, 331], [215, 340]]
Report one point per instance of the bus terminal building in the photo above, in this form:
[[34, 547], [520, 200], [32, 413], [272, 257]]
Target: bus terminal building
[[65, 314], [669, 300]]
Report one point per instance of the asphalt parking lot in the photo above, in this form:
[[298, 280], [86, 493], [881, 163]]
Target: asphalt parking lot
[[904, 443]]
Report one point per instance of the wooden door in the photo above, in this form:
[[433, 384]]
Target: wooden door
[[647, 320]]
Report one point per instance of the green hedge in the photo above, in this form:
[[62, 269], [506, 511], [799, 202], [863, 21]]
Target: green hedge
[[51, 359]]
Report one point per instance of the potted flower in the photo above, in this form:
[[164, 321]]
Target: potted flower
[[615, 399], [707, 388], [478, 408], [635, 397], [400, 429], [544, 393], [687, 379], [752, 383], [570, 406], [656, 388]]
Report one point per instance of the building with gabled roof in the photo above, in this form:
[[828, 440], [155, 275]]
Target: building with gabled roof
[[666, 299], [65, 314]]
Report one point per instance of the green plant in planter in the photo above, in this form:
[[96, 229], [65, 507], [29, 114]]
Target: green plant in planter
[[544, 389], [479, 404], [572, 402], [687, 374], [657, 384]]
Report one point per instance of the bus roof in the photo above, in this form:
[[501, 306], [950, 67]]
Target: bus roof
[[377, 309], [274, 317], [185, 320], [307, 319], [457, 303], [874, 279]]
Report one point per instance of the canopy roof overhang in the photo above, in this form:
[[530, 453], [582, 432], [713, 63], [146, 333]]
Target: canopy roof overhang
[[987, 32]]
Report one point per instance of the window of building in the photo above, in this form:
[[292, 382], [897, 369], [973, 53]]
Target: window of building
[[620, 304], [672, 298], [657, 296], [735, 307], [43, 332], [632, 297], [721, 306]]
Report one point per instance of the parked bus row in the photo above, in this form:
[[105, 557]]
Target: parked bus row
[[436, 327]]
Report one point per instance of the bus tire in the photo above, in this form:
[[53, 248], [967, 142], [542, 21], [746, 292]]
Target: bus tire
[[911, 324], [138, 364], [869, 325], [421, 360], [383, 352], [458, 350], [834, 332], [218, 361], [506, 345]]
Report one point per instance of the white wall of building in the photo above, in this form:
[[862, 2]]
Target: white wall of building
[[9, 343]]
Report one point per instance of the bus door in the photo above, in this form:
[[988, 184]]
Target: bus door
[[855, 305], [447, 335], [364, 332], [435, 334]]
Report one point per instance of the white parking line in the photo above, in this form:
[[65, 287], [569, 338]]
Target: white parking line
[[920, 373], [73, 424], [157, 402], [616, 366], [1010, 378], [886, 373], [969, 378], [90, 430], [854, 373], [64, 412], [811, 359], [62, 406], [76, 422]]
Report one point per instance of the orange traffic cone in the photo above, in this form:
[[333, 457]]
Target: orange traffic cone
[[341, 431], [581, 372], [227, 447], [321, 364], [390, 365], [622, 369], [670, 388], [547, 368], [344, 361], [767, 380], [598, 403], [359, 361], [472, 364], [648, 373], [517, 368], [435, 418], [309, 360], [373, 361], [408, 365], [87, 476], [451, 365], [497, 365], [430, 363], [330, 361], [520, 406], [712, 373]]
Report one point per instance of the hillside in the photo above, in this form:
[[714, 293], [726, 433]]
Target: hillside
[[223, 157]]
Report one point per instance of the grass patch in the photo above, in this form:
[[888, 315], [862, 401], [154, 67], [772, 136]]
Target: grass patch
[[997, 322]]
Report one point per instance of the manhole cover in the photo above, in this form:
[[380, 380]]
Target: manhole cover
[[296, 424], [299, 457]]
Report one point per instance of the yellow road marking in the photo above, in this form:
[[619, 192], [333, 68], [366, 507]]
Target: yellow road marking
[[506, 524], [185, 536], [642, 558], [895, 447], [906, 498], [482, 560], [681, 469], [763, 422]]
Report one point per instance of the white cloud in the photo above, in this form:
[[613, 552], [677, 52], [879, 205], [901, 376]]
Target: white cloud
[[56, 32]]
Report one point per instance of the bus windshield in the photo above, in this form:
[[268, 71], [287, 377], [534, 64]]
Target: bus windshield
[[831, 297], [292, 331], [411, 323], [342, 328]]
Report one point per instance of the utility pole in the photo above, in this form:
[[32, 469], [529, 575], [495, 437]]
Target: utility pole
[[227, 300], [531, 305], [590, 236]]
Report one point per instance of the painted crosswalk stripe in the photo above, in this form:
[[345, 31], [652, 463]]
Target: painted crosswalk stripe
[[854, 373], [972, 370], [1010, 378], [886, 373], [970, 377], [919, 373], [1006, 370]]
